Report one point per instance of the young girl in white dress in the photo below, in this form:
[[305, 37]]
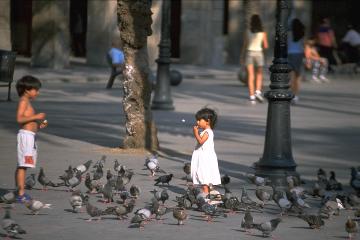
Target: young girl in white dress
[[204, 163]]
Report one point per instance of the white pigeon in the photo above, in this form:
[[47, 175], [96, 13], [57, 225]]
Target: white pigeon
[[35, 206]]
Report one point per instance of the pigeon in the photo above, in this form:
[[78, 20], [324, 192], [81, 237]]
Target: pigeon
[[117, 166], [258, 181], [98, 174], [152, 164], [267, 227], [246, 199], [120, 211], [225, 180], [355, 180], [124, 195], [333, 184], [101, 162], [210, 210], [298, 190], [76, 201], [30, 181], [74, 181], [322, 177], [122, 170], [93, 211], [91, 185], [107, 192], [157, 194], [180, 215], [140, 216], [69, 173], [282, 201], [82, 168], [351, 227], [126, 178], [318, 190], [157, 209], [353, 200], [44, 181], [187, 168], [163, 179], [248, 221], [187, 171], [35, 206], [10, 226], [164, 196], [134, 191], [297, 202], [8, 198], [314, 221], [119, 184], [110, 177], [263, 194]]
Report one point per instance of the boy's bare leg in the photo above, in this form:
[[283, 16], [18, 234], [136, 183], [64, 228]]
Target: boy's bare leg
[[20, 180]]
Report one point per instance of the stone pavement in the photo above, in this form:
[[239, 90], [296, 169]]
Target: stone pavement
[[86, 121]]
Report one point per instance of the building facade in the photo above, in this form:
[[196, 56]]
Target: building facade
[[203, 32]]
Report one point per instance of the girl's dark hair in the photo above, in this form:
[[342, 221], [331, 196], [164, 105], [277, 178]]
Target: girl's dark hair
[[298, 29], [255, 24], [27, 83], [208, 115]]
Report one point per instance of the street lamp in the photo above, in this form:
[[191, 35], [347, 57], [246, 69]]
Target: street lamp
[[277, 161], [162, 98]]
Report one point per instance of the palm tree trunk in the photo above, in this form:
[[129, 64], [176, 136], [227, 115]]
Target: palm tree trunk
[[134, 19]]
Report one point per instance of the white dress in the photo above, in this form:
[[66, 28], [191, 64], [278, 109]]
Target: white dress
[[204, 164]]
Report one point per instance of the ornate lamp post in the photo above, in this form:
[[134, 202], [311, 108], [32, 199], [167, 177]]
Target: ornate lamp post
[[162, 99], [277, 161]]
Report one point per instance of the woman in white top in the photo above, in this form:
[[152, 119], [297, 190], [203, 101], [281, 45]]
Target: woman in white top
[[254, 43]]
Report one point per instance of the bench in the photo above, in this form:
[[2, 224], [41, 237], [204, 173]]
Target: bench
[[114, 72], [7, 65]]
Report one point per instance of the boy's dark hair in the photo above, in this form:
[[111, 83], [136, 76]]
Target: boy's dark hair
[[255, 24], [298, 29], [207, 114], [27, 83]]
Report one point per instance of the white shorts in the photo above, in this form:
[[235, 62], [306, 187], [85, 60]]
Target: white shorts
[[26, 149]]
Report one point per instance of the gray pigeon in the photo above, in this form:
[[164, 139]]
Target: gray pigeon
[[76, 201], [355, 180], [93, 211], [30, 181], [152, 164], [351, 227], [134, 191], [35, 206], [107, 192], [74, 181], [248, 221], [121, 211], [314, 221], [267, 227], [44, 181], [119, 184], [82, 168], [180, 215], [333, 184], [69, 173], [164, 196], [282, 201], [164, 179], [8, 198], [117, 166], [246, 199], [263, 194], [10, 226], [258, 181], [98, 174], [140, 216], [91, 185]]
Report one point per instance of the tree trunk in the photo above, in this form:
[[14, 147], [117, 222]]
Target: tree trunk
[[134, 19]]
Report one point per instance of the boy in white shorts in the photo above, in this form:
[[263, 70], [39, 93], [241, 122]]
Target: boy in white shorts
[[28, 89]]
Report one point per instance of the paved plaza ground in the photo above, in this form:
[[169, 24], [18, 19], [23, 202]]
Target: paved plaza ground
[[86, 121]]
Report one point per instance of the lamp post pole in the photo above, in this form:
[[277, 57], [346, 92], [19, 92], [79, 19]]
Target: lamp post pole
[[277, 161], [162, 98]]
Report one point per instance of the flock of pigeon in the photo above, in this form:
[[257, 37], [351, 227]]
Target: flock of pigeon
[[123, 195]]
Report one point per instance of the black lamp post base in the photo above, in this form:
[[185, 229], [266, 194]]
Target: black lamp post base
[[276, 175]]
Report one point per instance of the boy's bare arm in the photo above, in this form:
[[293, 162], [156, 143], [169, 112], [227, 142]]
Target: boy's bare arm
[[20, 115]]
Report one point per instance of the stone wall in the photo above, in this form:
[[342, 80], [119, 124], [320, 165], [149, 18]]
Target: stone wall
[[50, 34], [5, 35]]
